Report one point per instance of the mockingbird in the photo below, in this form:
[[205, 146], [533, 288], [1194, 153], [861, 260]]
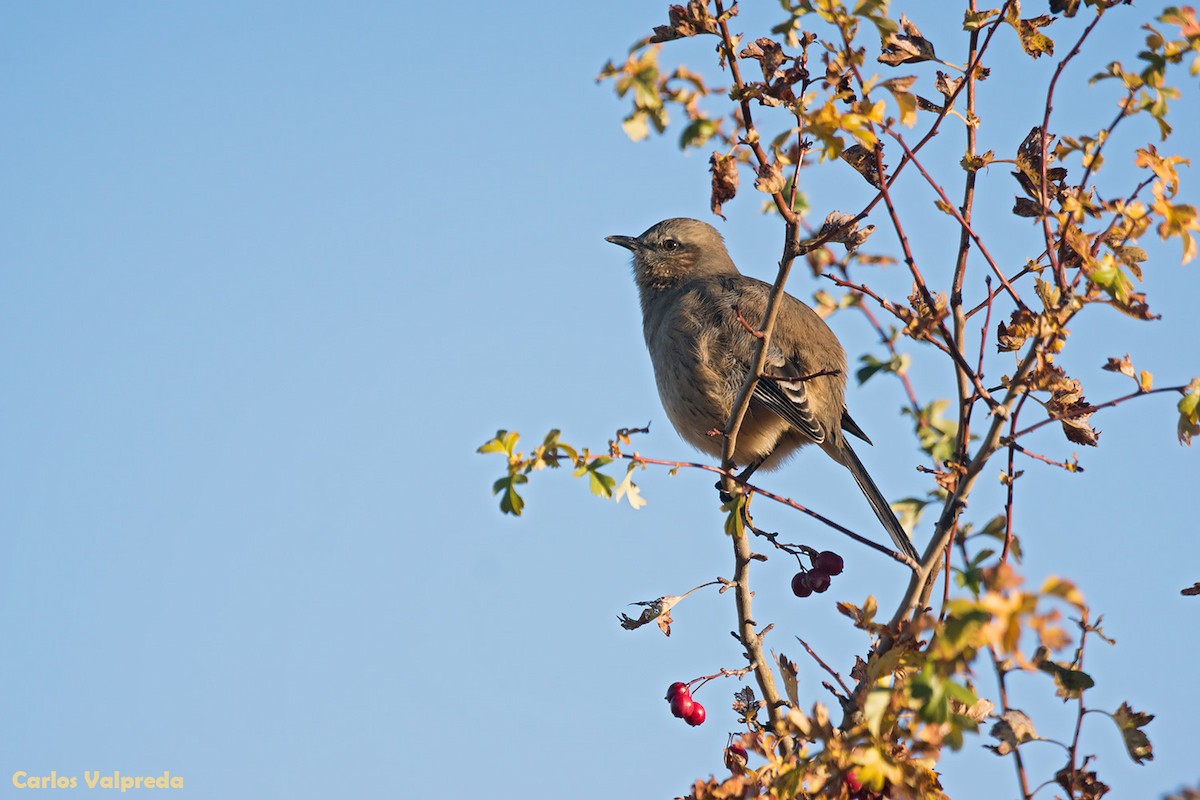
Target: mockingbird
[[692, 295]]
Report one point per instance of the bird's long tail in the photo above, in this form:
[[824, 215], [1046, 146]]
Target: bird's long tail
[[878, 504]]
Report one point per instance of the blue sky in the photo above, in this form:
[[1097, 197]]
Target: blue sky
[[270, 274]]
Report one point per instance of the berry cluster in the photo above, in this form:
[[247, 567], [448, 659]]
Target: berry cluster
[[683, 706], [825, 565]]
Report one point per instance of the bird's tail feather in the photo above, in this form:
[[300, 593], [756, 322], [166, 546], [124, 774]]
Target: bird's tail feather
[[878, 504]]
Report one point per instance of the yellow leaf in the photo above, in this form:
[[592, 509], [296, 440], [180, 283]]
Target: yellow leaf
[[1065, 590]]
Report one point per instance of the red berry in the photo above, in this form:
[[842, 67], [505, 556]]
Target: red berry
[[677, 688], [852, 782], [829, 562], [695, 715], [818, 580], [800, 586], [682, 705], [735, 758]]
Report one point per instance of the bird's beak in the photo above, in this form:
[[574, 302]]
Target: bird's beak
[[628, 242]]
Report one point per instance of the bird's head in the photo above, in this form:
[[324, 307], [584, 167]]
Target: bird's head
[[673, 251]]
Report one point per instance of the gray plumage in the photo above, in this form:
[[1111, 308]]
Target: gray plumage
[[689, 288]]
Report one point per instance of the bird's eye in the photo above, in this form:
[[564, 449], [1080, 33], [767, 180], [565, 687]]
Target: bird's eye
[[670, 244]]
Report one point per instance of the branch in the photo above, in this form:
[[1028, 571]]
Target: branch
[[937, 122], [966, 395], [917, 593], [750, 638], [1090, 408], [750, 141], [966, 226], [1012, 481], [953, 352], [891, 346], [825, 666], [752, 488], [903, 559], [1059, 275], [1069, 466]]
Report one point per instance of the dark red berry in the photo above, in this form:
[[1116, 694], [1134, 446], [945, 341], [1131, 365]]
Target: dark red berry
[[800, 586], [735, 758], [829, 562], [682, 705], [677, 688], [818, 580], [695, 716]]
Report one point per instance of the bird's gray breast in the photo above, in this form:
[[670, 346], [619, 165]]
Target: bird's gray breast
[[695, 367]]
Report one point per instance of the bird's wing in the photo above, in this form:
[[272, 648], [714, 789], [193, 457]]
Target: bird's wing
[[788, 398], [850, 426]]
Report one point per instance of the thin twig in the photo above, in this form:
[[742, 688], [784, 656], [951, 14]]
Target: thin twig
[[825, 667], [966, 393], [966, 226], [1069, 466], [945, 112], [1002, 684], [1012, 480], [903, 376], [987, 323], [1060, 277], [916, 594], [1074, 749], [749, 140], [1091, 408]]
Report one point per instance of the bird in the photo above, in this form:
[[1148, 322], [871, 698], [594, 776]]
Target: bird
[[697, 314]]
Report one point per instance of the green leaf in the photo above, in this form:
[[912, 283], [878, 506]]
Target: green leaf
[[510, 501], [1189, 413], [1071, 682], [735, 523], [553, 449], [897, 364], [935, 433], [871, 365], [962, 632], [936, 693], [600, 484], [697, 133]]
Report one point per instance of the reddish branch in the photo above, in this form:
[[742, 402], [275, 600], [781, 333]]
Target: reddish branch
[[903, 376], [825, 667], [1060, 277], [1090, 408], [987, 323], [749, 141], [952, 346], [962, 221], [1069, 466]]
